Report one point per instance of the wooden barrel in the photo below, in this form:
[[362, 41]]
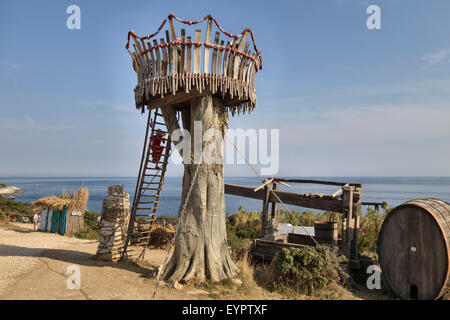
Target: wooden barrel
[[413, 248], [326, 231]]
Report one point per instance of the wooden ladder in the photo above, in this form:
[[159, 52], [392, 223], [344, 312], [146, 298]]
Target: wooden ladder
[[148, 189]]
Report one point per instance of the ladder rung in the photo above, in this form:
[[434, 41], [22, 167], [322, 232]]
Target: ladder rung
[[146, 208], [157, 169], [160, 129], [150, 195], [144, 202], [152, 175], [151, 183], [150, 189]]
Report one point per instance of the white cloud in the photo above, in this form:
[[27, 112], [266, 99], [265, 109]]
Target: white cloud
[[437, 57], [11, 65], [370, 125]]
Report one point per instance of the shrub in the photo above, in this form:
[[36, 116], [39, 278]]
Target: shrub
[[239, 246], [19, 209], [370, 226], [90, 230], [161, 235], [242, 228], [307, 269], [247, 233], [244, 220]]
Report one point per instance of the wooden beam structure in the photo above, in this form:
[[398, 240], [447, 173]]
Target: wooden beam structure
[[312, 201], [348, 204]]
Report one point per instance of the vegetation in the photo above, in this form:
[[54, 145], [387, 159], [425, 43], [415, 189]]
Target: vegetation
[[244, 226], [10, 208], [306, 270], [370, 226], [2, 185], [91, 229]]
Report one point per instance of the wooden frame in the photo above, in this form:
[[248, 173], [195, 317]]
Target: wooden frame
[[348, 204]]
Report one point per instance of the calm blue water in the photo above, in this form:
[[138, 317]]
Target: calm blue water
[[393, 190]]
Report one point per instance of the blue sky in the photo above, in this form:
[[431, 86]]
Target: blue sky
[[348, 101]]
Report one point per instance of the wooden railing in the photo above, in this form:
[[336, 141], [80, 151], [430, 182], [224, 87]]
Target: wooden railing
[[180, 64]]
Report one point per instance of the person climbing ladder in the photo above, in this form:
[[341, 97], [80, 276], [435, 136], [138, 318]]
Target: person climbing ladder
[[156, 147]]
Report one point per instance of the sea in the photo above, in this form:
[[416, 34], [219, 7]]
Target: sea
[[393, 190]]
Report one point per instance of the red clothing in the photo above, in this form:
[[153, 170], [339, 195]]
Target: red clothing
[[156, 148]]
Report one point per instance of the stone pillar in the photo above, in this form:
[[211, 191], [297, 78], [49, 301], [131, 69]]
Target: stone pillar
[[114, 223]]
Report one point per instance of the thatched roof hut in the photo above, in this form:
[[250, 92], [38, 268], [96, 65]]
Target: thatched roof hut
[[63, 214]]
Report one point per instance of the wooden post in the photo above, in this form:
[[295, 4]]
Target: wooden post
[[265, 211], [357, 215], [274, 204], [348, 221]]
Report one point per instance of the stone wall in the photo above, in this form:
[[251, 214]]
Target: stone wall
[[114, 223]]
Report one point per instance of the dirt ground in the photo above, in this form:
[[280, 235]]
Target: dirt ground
[[34, 265]]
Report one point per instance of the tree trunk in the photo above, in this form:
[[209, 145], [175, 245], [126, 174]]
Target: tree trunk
[[201, 249]]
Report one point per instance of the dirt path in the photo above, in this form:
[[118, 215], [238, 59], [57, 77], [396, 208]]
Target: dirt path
[[33, 265]]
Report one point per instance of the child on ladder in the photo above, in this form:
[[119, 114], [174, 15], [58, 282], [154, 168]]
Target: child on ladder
[[156, 147]]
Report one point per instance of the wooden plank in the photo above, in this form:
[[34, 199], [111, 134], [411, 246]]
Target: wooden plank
[[139, 62], [189, 56], [214, 56], [165, 60], [251, 65], [180, 97], [183, 52], [231, 59], [153, 62], [208, 41], [265, 211], [274, 204], [243, 64], [174, 48], [237, 57], [264, 184], [224, 66], [197, 51], [289, 198], [219, 64], [331, 183], [147, 58], [169, 69], [158, 58]]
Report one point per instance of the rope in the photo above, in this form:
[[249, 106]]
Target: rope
[[273, 192], [188, 22]]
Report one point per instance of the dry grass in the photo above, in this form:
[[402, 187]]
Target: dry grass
[[76, 200], [161, 235], [260, 277]]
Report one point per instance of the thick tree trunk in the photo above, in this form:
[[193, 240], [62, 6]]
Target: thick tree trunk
[[201, 249]]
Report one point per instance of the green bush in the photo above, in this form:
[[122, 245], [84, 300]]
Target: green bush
[[91, 229], [15, 208], [307, 269], [247, 233], [370, 226], [238, 246]]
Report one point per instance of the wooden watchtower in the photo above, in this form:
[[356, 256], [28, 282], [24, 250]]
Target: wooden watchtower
[[199, 77]]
